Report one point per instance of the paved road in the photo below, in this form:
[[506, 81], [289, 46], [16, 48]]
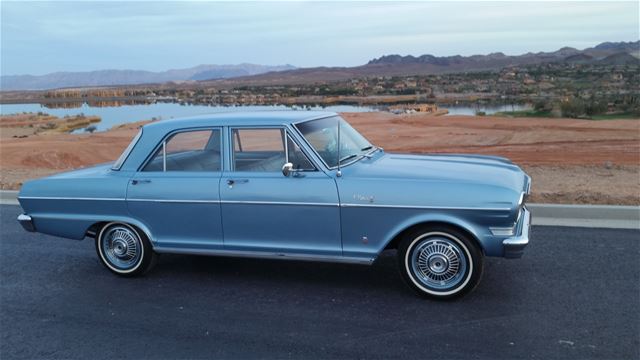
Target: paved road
[[575, 294]]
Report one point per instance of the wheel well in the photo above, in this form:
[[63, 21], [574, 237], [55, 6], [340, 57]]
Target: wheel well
[[93, 230], [393, 244]]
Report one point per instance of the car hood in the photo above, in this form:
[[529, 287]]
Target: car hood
[[449, 168]]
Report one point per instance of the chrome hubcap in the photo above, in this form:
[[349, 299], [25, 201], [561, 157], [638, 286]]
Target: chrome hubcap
[[439, 263], [121, 247]]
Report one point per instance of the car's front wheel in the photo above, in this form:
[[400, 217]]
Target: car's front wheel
[[440, 262], [124, 249]]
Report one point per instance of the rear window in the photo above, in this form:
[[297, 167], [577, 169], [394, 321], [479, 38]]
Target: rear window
[[125, 153]]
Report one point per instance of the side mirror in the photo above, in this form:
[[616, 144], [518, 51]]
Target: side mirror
[[287, 169]]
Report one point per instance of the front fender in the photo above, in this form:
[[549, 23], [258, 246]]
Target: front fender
[[366, 231]]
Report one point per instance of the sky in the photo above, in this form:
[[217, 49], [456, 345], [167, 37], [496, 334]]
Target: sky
[[44, 37]]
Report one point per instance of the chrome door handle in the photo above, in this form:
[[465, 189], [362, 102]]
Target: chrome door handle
[[136, 182], [232, 182]]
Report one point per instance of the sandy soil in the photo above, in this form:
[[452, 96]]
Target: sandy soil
[[570, 161]]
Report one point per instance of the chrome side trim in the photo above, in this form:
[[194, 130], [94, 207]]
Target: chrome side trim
[[250, 202], [424, 207], [67, 198], [277, 203], [266, 255], [176, 201]]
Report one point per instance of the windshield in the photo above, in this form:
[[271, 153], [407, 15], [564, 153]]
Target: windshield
[[125, 153], [322, 134]]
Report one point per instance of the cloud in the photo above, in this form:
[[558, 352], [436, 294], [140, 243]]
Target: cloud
[[41, 37]]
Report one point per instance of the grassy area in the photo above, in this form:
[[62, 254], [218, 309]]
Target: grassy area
[[548, 114], [615, 116], [525, 113]]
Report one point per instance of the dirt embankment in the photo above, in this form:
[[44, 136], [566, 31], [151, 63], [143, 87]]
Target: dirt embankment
[[571, 161], [27, 124]]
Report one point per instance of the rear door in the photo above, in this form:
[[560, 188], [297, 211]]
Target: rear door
[[175, 194]]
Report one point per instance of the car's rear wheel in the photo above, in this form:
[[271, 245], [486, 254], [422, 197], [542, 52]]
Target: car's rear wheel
[[440, 262], [124, 249]]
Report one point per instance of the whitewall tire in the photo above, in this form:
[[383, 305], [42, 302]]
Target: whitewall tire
[[124, 249], [440, 262]]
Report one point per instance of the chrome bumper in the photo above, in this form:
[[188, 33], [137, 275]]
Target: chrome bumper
[[514, 246], [26, 222]]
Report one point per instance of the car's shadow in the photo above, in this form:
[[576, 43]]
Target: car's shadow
[[380, 279]]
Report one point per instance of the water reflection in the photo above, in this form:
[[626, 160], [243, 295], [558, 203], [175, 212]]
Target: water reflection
[[100, 103]]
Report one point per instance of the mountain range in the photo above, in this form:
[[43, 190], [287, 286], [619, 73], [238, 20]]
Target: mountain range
[[132, 77], [607, 53]]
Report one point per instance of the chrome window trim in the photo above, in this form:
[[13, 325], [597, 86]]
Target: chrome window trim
[[286, 129], [232, 150], [167, 136], [315, 118], [355, 160], [127, 151]]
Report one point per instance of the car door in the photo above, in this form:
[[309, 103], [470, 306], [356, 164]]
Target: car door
[[175, 194], [263, 210]]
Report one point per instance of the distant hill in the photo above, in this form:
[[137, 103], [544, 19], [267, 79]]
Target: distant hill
[[397, 65], [607, 53], [131, 77]]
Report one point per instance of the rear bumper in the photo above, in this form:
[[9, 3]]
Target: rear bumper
[[26, 222], [514, 246]]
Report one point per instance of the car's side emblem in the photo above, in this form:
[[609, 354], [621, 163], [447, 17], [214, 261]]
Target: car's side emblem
[[367, 198]]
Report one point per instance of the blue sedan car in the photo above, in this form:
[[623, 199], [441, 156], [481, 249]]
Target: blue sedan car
[[295, 185]]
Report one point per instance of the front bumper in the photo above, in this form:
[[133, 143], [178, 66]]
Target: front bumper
[[514, 246], [26, 222]]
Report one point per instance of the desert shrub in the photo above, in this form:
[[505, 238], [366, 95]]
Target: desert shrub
[[542, 106], [572, 108]]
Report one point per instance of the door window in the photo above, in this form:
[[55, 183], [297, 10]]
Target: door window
[[297, 157], [188, 151], [258, 150], [264, 150]]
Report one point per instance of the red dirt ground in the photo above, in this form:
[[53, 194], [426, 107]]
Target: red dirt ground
[[571, 161]]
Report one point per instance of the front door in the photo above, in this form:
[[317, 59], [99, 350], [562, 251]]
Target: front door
[[263, 210], [176, 193]]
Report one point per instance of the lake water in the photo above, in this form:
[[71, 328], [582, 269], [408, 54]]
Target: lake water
[[116, 115]]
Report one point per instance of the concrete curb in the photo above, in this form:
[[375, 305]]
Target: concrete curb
[[595, 216], [9, 197], [592, 216]]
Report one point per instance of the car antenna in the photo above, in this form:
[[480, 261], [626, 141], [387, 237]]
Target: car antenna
[[339, 173]]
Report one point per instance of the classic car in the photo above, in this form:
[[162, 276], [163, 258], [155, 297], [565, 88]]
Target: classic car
[[299, 185]]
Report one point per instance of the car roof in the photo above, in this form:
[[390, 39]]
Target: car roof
[[240, 118]]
